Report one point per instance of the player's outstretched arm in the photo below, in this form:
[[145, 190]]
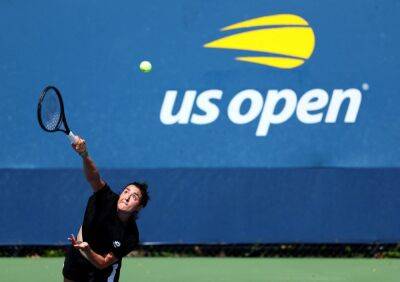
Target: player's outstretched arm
[[89, 168]]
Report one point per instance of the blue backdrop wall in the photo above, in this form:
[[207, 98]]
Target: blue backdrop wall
[[306, 153]]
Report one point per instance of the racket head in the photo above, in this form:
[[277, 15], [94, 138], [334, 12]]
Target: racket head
[[50, 110]]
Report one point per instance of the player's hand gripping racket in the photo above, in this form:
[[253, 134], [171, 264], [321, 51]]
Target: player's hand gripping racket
[[50, 113]]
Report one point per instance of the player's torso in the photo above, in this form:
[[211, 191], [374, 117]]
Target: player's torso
[[101, 225]]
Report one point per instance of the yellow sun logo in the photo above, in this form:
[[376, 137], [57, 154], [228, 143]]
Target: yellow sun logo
[[287, 40]]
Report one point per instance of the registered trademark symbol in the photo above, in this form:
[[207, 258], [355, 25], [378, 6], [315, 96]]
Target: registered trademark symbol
[[365, 86]]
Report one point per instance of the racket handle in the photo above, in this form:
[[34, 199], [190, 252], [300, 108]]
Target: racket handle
[[72, 137]]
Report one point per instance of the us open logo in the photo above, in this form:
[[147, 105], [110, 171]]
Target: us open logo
[[283, 41]]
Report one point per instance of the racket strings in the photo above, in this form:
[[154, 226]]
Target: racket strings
[[51, 111]]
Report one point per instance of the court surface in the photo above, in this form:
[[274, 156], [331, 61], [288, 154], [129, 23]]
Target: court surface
[[217, 269]]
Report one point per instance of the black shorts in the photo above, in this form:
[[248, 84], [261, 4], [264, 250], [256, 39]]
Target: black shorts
[[79, 269]]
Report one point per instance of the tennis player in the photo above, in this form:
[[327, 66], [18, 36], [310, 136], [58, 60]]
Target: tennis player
[[109, 230]]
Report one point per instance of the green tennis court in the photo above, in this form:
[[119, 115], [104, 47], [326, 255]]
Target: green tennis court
[[217, 269]]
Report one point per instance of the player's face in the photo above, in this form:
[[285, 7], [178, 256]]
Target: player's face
[[129, 200]]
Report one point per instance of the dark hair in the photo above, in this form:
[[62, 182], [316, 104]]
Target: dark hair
[[143, 187]]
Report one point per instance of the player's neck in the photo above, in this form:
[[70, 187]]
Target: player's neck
[[124, 217]]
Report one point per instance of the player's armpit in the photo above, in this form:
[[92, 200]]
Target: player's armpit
[[97, 184]]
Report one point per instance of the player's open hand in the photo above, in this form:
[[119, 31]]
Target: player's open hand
[[79, 146], [84, 246]]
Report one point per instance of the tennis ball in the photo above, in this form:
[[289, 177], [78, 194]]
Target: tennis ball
[[145, 66]]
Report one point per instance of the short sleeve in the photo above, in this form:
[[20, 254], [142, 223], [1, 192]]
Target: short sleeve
[[103, 192], [121, 249], [100, 205], [127, 245], [103, 196]]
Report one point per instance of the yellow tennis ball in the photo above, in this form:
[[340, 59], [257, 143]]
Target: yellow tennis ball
[[145, 66]]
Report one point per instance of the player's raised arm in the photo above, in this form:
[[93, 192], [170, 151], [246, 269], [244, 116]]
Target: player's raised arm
[[89, 168]]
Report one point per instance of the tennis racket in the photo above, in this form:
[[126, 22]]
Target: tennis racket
[[50, 113]]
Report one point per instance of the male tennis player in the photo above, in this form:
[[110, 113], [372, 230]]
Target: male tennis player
[[109, 230]]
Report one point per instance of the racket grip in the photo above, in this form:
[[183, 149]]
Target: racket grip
[[72, 137]]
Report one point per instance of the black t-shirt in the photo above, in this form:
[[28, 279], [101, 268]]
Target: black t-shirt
[[103, 229]]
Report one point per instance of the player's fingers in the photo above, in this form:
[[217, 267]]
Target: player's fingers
[[72, 242], [76, 146], [79, 246], [81, 143], [72, 239]]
